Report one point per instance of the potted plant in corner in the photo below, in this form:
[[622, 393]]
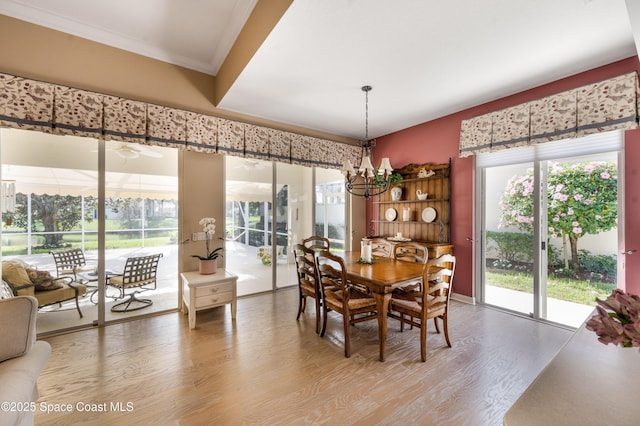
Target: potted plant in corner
[[209, 263]]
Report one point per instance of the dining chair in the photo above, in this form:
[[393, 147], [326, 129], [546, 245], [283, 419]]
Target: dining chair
[[381, 247], [316, 242], [340, 296], [139, 275], [411, 251], [308, 282], [417, 307]]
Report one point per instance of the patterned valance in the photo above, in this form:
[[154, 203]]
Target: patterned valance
[[202, 133], [34, 105], [256, 142], [599, 107], [26, 104], [322, 154], [300, 150], [77, 112], [166, 126], [280, 145], [231, 137], [124, 120]]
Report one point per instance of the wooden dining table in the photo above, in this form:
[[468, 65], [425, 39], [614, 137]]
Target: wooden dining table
[[381, 278]]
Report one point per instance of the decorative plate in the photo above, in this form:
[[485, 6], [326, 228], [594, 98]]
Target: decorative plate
[[390, 215], [428, 214]]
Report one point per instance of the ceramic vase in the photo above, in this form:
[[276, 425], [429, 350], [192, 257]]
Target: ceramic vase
[[208, 267], [396, 193]]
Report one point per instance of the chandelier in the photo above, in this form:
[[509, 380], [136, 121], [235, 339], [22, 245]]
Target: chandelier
[[367, 181]]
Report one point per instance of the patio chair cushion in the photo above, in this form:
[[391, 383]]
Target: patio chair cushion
[[43, 280], [119, 281], [65, 292], [14, 273]]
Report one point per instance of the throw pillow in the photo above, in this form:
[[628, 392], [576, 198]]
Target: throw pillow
[[14, 273], [5, 291], [42, 280]]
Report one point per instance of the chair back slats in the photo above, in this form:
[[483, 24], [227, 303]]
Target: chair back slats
[[381, 247], [308, 283], [438, 273], [141, 270], [332, 272], [411, 252], [316, 243], [306, 266], [68, 261]]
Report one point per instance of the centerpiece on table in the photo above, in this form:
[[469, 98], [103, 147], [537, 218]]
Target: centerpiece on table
[[365, 252], [617, 320], [209, 263]]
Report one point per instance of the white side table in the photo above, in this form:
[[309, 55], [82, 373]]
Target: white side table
[[207, 291]]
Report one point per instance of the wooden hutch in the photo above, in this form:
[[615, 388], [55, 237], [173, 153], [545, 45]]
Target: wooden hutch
[[426, 221]]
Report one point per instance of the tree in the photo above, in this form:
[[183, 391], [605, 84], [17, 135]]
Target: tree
[[52, 214], [128, 209], [582, 199]]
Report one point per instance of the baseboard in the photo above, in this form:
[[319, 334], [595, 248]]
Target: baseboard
[[464, 299]]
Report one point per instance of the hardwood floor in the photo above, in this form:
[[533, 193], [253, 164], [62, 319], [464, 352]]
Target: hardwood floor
[[267, 368]]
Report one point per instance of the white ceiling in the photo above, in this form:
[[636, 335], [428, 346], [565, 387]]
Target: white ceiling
[[424, 58]]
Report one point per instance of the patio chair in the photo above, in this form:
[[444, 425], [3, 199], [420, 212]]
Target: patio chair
[[71, 263], [417, 307], [139, 275]]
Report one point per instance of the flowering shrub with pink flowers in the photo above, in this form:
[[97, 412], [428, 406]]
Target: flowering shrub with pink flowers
[[582, 199], [617, 320]]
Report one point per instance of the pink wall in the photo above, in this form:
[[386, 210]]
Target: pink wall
[[438, 140]]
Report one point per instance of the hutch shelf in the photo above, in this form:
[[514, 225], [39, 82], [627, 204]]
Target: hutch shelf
[[426, 220]]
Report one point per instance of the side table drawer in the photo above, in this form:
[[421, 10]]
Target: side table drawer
[[213, 299], [213, 289]]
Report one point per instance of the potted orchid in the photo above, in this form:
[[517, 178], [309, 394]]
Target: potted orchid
[[208, 263]]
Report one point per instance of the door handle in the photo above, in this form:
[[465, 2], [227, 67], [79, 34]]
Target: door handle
[[629, 251]]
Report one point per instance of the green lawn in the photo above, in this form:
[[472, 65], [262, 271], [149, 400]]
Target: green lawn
[[583, 292]]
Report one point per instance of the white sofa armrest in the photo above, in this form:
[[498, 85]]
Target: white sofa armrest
[[17, 326]]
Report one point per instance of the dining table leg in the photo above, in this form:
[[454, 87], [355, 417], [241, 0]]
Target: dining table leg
[[382, 304]]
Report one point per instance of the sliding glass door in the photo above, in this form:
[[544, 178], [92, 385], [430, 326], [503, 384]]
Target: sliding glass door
[[330, 207], [508, 231], [293, 217], [56, 181], [269, 208], [249, 196], [141, 218], [550, 228]]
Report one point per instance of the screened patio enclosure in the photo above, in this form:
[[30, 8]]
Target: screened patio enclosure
[[57, 181]]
